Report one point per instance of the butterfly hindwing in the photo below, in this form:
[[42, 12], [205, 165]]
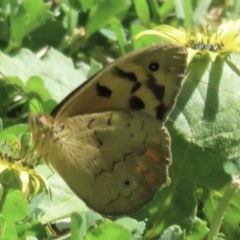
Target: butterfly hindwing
[[122, 157]]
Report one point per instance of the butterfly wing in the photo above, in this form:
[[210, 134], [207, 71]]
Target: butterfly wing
[[114, 161], [147, 80]]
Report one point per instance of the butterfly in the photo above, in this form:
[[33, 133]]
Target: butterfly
[[107, 138]]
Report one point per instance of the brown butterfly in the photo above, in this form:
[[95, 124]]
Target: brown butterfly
[[107, 138]]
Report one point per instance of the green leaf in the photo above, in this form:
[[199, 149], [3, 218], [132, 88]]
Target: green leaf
[[53, 32], [82, 223], [179, 9], [109, 231], [76, 222], [223, 203], [143, 13], [119, 32], [14, 130], [15, 207], [104, 12], [29, 16], [172, 233], [1, 125], [201, 11], [94, 68], [86, 4], [136, 228], [35, 84], [10, 178], [233, 167], [57, 72], [62, 201], [7, 230], [60, 74], [165, 9], [30, 229], [144, 41], [187, 8]]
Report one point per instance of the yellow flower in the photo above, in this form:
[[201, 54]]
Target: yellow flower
[[17, 173], [225, 40]]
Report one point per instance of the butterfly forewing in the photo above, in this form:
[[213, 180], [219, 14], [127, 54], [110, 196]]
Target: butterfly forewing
[[147, 80]]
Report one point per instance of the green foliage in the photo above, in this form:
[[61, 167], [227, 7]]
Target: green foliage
[[51, 47]]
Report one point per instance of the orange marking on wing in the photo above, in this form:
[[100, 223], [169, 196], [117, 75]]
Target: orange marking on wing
[[151, 177], [153, 155], [146, 173], [141, 168], [114, 200]]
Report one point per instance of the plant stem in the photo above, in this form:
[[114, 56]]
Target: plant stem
[[3, 198], [222, 206]]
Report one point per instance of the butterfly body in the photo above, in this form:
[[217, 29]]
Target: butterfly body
[[107, 138]]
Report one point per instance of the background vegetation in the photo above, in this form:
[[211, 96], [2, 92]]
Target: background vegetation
[[50, 47]]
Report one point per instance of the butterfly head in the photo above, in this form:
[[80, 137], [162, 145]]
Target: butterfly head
[[40, 121], [40, 125]]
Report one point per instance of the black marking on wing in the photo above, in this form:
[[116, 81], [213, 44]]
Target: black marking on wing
[[129, 76], [103, 91], [102, 170], [126, 155], [131, 193], [100, 173], [90, 123], [127, 182], [145, 139], [136, 103], [100, 142], [144, 173], [136, 86], [109, 121], [160, 111], [157, 89], [114, 200], [129, 113], [113, 165]]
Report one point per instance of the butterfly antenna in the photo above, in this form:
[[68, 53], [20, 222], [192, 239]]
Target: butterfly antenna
[[39, 105]]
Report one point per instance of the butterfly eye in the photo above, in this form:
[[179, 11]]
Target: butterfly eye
[[153, 66], [127, 182], [41, 122]]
